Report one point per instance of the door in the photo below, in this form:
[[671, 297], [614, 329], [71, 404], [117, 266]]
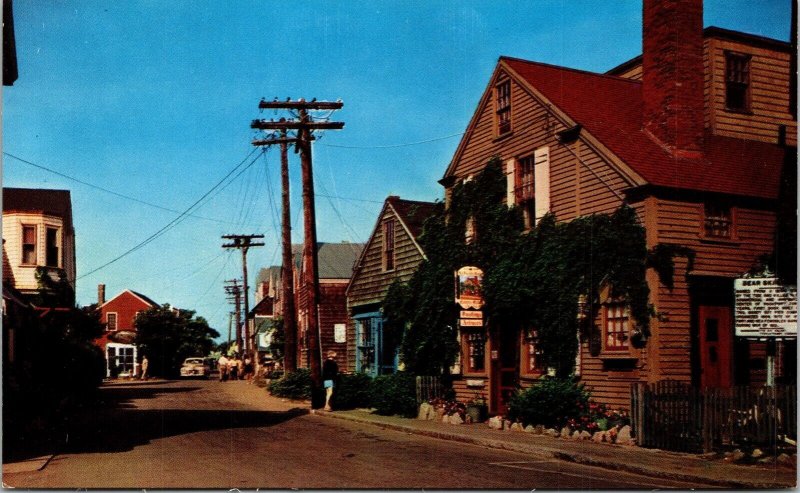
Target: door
[[505, 358], [715, 345]]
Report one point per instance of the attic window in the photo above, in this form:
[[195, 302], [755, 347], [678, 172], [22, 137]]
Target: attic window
[[111, 321], [503, 93], [737, 81], [388, 245]]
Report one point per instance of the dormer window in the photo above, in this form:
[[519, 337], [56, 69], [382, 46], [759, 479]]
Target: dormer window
[[503, 109], [737, 81]]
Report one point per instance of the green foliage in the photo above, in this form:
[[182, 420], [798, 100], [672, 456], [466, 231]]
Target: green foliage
[[551, 402], [351, 391], [661, 259], [294, 385], [53, 288], [394, 395], [278, 342], [167, 337]]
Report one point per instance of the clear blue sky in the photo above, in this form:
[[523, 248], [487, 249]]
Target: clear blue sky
[[153, 100]]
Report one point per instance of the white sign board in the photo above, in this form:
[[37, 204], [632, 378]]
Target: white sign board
[[765, 308], [339, 333]]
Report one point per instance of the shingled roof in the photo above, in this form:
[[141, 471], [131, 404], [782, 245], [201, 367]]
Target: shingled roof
[[412, 212], [610, 109], [335, 260]]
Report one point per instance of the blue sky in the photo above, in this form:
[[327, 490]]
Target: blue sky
[[153, 100]]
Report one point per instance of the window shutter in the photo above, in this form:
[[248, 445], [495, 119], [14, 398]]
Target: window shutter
[[511, 182], [542, 181]]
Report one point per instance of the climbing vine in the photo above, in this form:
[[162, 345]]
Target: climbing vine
[[531, 279]]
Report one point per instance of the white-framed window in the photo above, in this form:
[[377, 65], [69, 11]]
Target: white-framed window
[[29, 244]]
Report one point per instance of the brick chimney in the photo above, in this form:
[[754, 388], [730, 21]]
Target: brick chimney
[[101, 294], [672, 62]]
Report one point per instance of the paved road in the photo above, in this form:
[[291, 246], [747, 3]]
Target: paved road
[[208, 434]]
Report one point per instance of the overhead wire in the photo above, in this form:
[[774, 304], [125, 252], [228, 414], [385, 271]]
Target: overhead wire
[[175, 221], [392, 146]]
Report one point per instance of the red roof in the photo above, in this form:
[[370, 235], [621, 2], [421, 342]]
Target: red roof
[[610, 108]]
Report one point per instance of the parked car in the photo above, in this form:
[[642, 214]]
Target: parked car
[[195, 367]]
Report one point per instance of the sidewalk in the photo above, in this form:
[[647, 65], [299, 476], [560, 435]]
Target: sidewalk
[[647, 462]]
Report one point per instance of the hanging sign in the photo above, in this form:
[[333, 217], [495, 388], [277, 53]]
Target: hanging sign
[[470, 314], [471, 322], [765, 308], [469, 287]]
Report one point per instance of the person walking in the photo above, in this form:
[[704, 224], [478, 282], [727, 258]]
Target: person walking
[[222, 364], [145, 364], [248, 369], [330, 370], [234, 367]]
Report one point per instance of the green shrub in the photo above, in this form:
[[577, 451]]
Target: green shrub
[[394, 394], [551, 402], [295, 385], [351, 391]]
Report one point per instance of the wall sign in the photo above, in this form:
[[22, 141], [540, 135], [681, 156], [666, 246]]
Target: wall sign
[[339, 333], [765, 308]]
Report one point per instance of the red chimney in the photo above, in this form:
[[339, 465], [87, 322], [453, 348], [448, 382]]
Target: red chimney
[[101, 294], [672, 62]]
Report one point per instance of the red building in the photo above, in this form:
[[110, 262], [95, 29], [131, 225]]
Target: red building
[[118, 316]]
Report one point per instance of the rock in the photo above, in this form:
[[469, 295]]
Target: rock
[[757, 453], [598, 437], [496, 423], [439, 414], [784, 460], [455, 419], [576, 435], [516, 427], [551, 432], [585, 435], [446, 419], [611, 435], [425, 411], [624, 436], [738, 455], [507, 424], [539, 430], [565, 432], [766, 460], [530, 429]]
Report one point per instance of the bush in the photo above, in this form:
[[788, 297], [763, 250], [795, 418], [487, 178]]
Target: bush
[[552, 402], [295, 385], [394, 394], [351, 391]]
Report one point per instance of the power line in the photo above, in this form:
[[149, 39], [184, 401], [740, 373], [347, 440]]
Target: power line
[[391, 146], [98, 187], [172, 223]]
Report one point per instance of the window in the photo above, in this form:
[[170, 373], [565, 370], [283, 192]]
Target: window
[[388, 245], [616, 324], [532, 355], [476, 351], [29, 245], [111, 321], [374, 355], [503, 93], [718, 221], [524, 191], [51, 242], [737, 81]]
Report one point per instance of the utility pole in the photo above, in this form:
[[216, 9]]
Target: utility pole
[[243, 243], [234, 291], [287, 269], [304, 125]]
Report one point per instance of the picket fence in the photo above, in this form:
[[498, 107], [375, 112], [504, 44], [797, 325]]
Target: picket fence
[[673, 415]]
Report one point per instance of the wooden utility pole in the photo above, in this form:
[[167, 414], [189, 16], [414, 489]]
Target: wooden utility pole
[[234, 292], [287, 268], [243, 243], [310, 279]]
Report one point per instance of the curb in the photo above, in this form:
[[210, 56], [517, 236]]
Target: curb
[[577, 458]]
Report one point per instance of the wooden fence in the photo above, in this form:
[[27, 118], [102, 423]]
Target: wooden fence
[[672, 415], [429, 387]]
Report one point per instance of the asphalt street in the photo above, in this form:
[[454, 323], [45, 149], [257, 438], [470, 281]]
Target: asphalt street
[[210, 434]]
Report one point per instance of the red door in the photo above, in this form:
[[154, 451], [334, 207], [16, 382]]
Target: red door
[[716, 346], [504, 369]]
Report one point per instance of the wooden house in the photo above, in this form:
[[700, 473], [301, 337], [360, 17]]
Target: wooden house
[[391, 253], [118, 315], [692, 135], [335, 264], [38, 238]]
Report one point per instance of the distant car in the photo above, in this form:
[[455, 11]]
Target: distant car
[[195, 367]]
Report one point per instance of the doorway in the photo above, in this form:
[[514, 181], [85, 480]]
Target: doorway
[[504, 379], [715, 345]]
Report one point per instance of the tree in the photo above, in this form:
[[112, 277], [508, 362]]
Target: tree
[[168, 336]]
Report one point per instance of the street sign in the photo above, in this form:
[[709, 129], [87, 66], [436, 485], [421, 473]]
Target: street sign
[[765, 308]]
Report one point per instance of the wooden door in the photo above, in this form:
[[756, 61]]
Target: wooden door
[[504, 369], [715, 345]]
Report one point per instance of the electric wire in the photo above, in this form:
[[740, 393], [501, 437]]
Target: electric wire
[[103, 189], [175, 221], [392, 146]]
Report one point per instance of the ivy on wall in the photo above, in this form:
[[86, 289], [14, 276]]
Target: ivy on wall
[[531, 279]]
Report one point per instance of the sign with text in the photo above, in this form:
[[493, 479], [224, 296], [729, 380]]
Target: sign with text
[[471, 314], [470, 322], [765, 308], [469, 287]]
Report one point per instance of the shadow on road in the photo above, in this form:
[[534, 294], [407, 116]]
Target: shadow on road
[[112, 423]]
